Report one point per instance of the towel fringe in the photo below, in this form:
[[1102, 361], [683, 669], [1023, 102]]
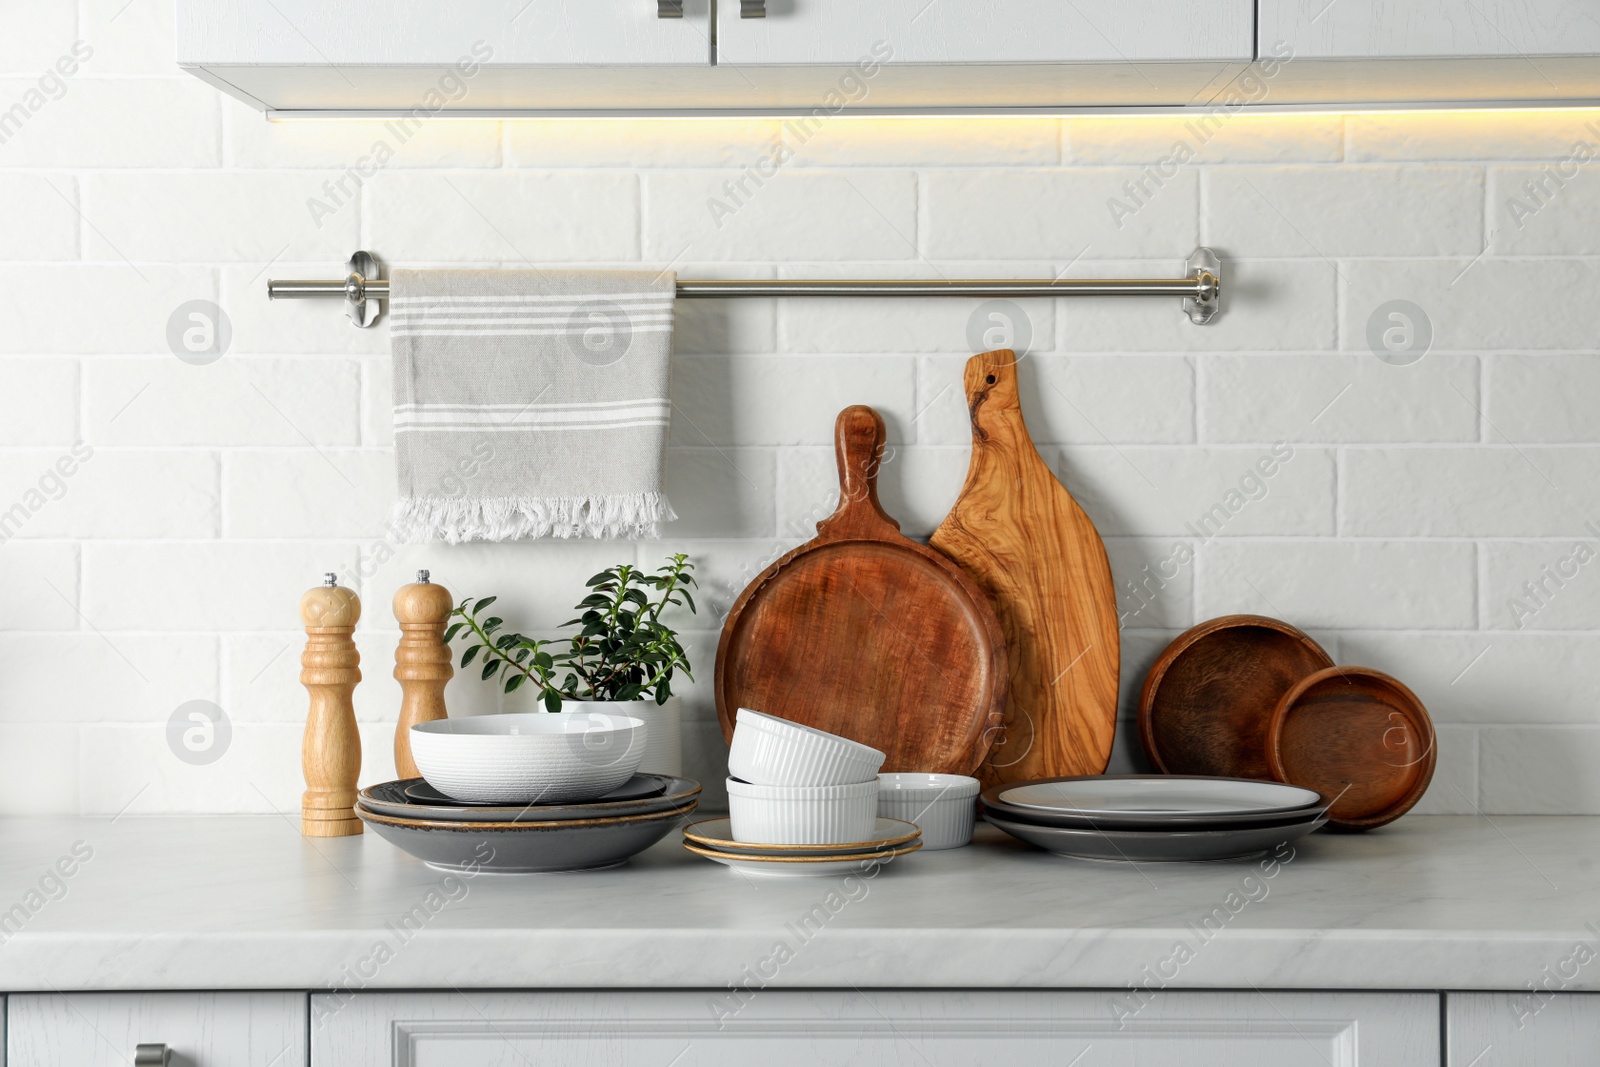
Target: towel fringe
[[418, 520]]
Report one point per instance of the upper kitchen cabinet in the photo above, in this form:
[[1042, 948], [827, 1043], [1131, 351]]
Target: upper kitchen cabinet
[[630, 56], [952, 54], [1432, 51], [474, 56]]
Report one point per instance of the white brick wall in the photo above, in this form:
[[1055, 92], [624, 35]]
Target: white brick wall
[[1419, 505]]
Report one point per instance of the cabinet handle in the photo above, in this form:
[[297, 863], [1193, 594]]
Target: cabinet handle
[[669, 9], [151, 1055], [752, 9]]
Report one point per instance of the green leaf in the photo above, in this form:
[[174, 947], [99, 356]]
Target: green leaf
[[552, 700], [505, 641], [470, 655], [455, 628], [544, 660], [603, 576], [663, 692], [514, 682], [522, 654], [489, 667], [492, 622], [690, 601], [485, 602]]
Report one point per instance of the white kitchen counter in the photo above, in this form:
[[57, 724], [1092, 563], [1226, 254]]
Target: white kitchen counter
[[247, 903]]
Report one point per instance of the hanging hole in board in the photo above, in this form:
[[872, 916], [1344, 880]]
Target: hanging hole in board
[[990, 379]]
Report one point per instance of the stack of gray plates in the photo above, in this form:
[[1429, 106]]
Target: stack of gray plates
[[1146, 817], [451, 835]]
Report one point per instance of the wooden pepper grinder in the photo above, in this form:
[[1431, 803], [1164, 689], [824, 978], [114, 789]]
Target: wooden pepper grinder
[[421, 662], [331, 751]]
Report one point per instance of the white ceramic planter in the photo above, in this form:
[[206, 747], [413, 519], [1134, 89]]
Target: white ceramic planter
[[943, 805], [802, 815], [663, 744]]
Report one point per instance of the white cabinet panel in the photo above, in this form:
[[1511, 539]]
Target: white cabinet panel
[[1431, 51], [995, 31], [201, 1029], [1400, 29], [411, 57], [544, 32], [1541, 1029], [925, 1029]]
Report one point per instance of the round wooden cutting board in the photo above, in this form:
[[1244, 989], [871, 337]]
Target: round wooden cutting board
[[1017, 531], [865, 633]]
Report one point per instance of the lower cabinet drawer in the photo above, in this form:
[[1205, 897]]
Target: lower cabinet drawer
[[918, 1029], [200, 1029], [1537, 1026]]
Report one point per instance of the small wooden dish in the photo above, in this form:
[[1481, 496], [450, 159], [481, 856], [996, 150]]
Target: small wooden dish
[[1359, 736], [1207, 702]]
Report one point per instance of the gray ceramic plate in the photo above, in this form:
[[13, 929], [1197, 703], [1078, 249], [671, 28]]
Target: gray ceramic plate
[[717, 836], [640, 786], [532, 848], [389, 798], [1144, 846], [1149, 823]]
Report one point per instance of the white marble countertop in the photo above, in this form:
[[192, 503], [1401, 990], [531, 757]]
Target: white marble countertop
[[246, 902]]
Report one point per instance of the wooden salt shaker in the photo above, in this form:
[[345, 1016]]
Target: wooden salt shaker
[[421, 662], [331, 751]]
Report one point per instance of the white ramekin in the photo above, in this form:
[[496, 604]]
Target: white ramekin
[[802, 815], [944, 805], [767, 750], [529, 758]]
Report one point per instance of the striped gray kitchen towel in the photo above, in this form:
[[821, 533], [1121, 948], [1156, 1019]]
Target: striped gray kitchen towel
[[530, 403]]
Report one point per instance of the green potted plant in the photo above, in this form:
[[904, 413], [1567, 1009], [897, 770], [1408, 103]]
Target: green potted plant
[[622, 658]]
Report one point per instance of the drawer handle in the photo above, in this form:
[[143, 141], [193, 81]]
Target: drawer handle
[[151, 1055], [752, 9]]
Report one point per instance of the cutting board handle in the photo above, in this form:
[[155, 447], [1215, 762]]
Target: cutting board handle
[[991, 384], [858, 438]]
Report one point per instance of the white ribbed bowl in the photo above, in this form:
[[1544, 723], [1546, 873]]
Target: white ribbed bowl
[[532, 758], [802, 815], [943, 805], [767, 750]]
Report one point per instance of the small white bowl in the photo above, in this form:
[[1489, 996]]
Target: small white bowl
[[802, 815], [944, 805], [767, 750], [532, 758]]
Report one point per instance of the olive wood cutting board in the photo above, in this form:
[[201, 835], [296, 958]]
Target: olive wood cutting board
[[863, 632], [1021, 536]]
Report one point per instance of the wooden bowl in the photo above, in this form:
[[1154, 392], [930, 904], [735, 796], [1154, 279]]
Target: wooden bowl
[[1207, 702], [1359, 736]]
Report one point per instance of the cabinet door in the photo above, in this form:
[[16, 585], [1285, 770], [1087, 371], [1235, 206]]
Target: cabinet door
[[1386, 51], [1405, 29], [539, 32], [915, 1029], [201, 1029], [415, 57], [950, 55], [959, 31], [1544, 1029]]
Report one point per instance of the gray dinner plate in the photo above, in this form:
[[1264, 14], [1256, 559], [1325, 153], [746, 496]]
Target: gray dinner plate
[[537, 848], [1166, 823], [672, 794], [1144, 846], [638, 787]]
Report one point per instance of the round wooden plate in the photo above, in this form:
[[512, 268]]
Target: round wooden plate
[[1208, 701], [1358, 736], [864, 633]]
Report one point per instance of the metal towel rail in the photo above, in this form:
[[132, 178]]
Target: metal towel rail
[[1200, 287]]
